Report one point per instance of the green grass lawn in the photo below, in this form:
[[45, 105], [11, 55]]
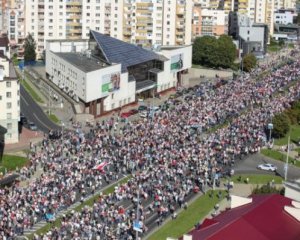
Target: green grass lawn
[[53, 118], [11, 162], [187, 219], [273, 48], [32, 93], [89, 202], [256, 178], [294, 133], [278, 156]]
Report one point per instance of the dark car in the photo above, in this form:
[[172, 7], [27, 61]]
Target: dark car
[[23, 119], [142, 108], [133, 111]]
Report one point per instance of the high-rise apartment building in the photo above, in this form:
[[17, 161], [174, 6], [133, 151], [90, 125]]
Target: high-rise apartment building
[[12, 23], [143, 22], [9, 96], [212, 22]]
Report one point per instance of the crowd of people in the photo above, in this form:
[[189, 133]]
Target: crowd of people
[[170, 156]]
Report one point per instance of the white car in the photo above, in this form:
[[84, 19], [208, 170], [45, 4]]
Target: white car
[[144, 114], [267, 167]]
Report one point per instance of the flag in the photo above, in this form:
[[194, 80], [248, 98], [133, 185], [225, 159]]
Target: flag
[[101, 166]]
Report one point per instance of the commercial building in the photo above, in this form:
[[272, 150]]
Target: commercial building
[[106, 74], [142, 22], [284, 16], [252, 37], [9, 96], [210, 22]]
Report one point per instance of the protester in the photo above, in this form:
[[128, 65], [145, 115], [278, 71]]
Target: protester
[[167, 155]]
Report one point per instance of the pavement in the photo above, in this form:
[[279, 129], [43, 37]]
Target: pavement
[[26, 136]]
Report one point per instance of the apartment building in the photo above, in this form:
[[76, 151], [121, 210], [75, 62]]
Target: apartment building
[[210, 22], [12, 23], [142, 22], [9, 96]]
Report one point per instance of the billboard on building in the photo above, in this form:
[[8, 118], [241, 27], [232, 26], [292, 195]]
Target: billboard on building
[[176, 62], [110, 82]]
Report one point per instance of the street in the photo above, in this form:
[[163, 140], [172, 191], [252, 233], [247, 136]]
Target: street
[[33, 112], [249, 165]]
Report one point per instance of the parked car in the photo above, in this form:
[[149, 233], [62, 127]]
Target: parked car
[[125, 114], [133, 111], [144, 114], [23, 119], [32, 126], [267, 167], [154, 108], [142, 108], [172, 96]]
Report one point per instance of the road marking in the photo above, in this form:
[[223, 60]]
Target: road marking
[[41, 121], [25, 101]]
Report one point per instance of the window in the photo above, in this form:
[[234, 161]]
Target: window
[[8, 116], [8, 84], [8, 105], [0, 98], [8, 94], [8, 135], [9, 125]]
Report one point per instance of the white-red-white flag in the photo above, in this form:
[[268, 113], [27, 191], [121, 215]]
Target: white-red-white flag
[[101, 166]]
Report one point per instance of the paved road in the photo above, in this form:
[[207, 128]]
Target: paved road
[[249, 165], [34, 113]]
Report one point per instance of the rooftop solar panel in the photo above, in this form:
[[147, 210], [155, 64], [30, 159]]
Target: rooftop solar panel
[[127, 54]]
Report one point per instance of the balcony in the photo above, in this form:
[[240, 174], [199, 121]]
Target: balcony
[[73, 3], [74, 30], [141, 37], [74, 16], [73, 10], [127, 33], [74, 24], [180, 10]]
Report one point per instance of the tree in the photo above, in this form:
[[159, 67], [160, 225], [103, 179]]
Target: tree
[[281, 125], [249, 62], [203, 49], [225, 51], [211, 52], [29, 46]]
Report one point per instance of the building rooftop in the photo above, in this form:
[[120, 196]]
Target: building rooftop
[[82, 62], [116, 51], [263, 219]]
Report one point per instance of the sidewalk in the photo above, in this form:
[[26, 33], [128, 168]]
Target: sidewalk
[[25, 138]]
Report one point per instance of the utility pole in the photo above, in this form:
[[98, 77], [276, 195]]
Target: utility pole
[[287, 160], [49, 110], [137, 214]]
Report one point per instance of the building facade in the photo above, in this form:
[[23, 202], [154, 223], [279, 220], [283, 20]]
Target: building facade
[[13, 24], [142, 22], [9, 100], [209, 22], [284, 16], [107, 74]]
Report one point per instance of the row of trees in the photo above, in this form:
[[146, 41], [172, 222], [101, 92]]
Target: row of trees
[[219, 52]]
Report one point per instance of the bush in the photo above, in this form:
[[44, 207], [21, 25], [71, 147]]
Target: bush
[[267, 189]]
